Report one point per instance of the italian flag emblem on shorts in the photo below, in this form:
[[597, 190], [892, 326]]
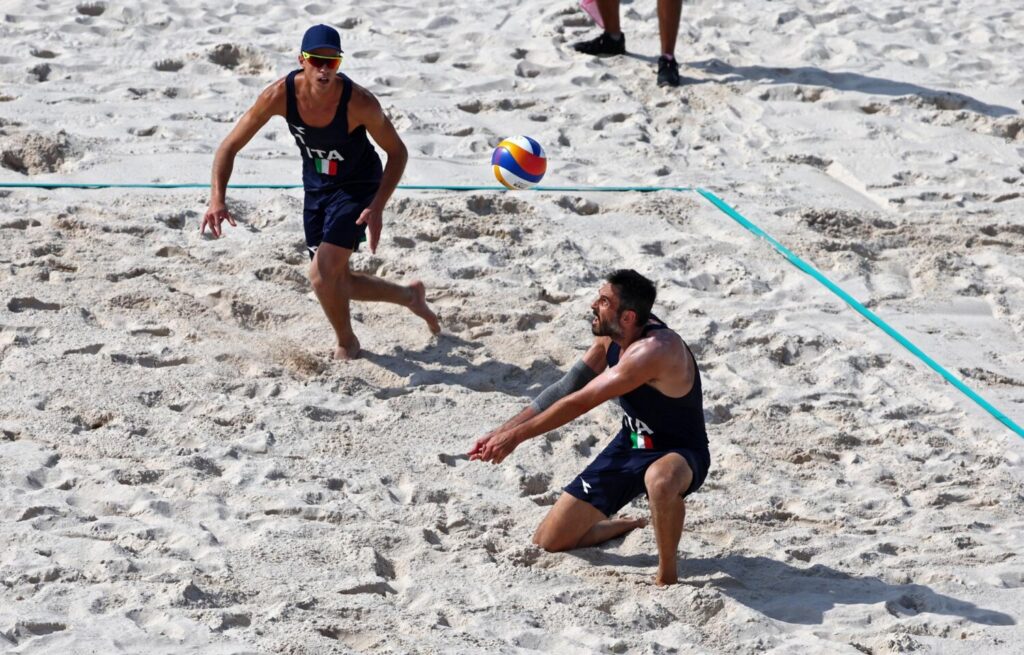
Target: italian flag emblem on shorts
[[641, 440], [639, 434], [326, 166]]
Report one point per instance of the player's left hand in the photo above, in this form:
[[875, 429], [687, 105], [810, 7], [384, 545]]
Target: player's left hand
[[494, 447], [373, 218]]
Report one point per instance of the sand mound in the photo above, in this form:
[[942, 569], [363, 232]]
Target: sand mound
[[34, 152]]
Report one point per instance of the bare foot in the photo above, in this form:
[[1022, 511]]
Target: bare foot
[[626, 523], [351, 351], [638, 522], [420, 308], [665, 578]]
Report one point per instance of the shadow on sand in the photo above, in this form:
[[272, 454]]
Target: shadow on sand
[[451, 362], [803, 595], [849, 82]]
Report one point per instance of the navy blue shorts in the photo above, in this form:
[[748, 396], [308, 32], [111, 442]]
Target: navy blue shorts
[[616, 476], [330, 217]]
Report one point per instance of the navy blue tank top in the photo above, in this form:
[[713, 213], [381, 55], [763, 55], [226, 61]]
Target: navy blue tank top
[[656, 421], [331, 157]]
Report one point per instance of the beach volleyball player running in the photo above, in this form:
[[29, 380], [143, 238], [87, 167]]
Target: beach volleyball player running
[[662, 448], [346, 188]]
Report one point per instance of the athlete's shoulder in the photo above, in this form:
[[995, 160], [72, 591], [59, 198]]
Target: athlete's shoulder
[[670, 345], [362, 98], [277, 87], [664, 336], [655, 348], [274, 98], [659, 334], [364, 109]]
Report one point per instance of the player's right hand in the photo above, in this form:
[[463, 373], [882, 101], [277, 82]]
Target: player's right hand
[[214, 216], [494, 447], [478, 446]]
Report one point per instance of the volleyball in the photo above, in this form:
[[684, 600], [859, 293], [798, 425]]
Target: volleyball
[[519, 162]]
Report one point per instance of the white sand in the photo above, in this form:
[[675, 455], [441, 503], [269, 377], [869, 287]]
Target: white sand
[[183, 469]]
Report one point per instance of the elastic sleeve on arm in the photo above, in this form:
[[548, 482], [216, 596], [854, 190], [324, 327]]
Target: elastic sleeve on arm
[[574, 379]]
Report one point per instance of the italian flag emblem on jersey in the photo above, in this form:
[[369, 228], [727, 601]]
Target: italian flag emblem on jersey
[[326, 166], [639, 434]]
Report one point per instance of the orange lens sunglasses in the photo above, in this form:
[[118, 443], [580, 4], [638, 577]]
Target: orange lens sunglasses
[[322, 61]]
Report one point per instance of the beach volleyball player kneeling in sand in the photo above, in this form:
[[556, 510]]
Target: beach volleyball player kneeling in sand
[[346, 188], [662, 448]]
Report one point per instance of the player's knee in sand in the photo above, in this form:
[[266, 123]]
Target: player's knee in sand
[[553, 543], [565, 523], [549, 540]]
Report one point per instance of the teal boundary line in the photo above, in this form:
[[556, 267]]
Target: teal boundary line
[[707, 195], [860, 309]]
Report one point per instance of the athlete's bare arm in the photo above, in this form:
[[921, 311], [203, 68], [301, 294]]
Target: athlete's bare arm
[[364, 109], [595, 358], [642, 361], [272, 102]]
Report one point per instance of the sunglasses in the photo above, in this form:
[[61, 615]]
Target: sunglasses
[[322, 61]]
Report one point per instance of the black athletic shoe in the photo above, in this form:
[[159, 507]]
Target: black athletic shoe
[[668, 71], [602, 45]]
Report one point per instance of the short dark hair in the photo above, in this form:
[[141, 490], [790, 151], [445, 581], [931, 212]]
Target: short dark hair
[[636, 293]]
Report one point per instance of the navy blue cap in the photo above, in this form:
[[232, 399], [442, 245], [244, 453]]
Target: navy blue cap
[[321, 36]]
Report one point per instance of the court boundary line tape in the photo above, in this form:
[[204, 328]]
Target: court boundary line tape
[[860, 309], [720, 204]]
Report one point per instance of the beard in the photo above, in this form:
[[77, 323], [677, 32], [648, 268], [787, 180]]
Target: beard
[[602, 328]]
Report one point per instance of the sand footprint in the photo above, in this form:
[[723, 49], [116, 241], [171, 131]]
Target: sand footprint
[[169, 65], [137, 477], [177, 220], [612, 118], [229, 620], [528, 70], [316, 10], [284, 275], [576, 19], [41, 72], [231, 56], [530, 483], [579, 206], [28, 629], [20, 224], [21, 304], [585, 446], [91, 8], [149, 361], [129, 274]]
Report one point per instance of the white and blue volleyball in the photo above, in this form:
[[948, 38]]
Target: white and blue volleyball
[[519, 162]]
